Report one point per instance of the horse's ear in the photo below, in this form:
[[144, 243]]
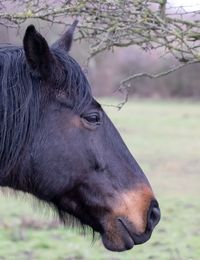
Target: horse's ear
[[65, 42], [37, 52]]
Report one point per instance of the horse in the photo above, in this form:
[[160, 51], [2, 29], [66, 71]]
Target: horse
[[58, 144]]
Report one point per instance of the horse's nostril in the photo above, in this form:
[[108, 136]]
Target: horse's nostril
[[153, 215]]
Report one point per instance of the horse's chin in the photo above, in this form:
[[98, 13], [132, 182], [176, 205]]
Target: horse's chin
[[120, 236], [116, 237], [116, 240], [119, 243]]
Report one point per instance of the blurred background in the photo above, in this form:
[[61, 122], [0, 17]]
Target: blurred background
[[160, 123]]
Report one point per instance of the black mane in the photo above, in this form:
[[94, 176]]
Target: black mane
[[23, 96]]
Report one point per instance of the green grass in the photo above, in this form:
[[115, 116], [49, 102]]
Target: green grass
[[164, 137]]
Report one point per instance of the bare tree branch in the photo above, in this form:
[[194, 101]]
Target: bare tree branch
[[155, 76]]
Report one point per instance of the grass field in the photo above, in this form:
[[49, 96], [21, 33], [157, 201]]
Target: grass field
[[164, 137]]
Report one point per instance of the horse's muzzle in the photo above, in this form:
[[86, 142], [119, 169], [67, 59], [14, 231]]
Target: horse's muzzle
[[126, 235], [153, 218]]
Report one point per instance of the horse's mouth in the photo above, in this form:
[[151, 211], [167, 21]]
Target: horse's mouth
[[123, 236], [118, 238]]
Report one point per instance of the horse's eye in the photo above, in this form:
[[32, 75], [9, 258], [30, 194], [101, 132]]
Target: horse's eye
[[93, 118]]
